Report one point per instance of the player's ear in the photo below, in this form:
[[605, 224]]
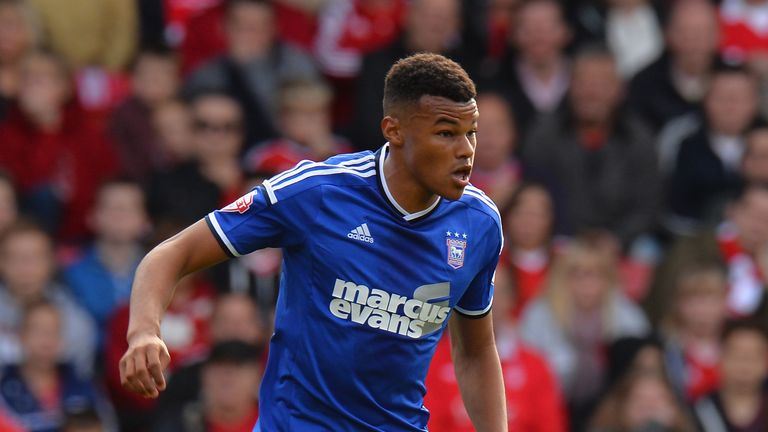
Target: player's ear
[[392, 131]]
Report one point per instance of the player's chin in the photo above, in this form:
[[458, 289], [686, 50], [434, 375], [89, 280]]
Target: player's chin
[[452, 192]]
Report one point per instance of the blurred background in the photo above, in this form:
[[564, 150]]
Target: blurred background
[[624, 141]]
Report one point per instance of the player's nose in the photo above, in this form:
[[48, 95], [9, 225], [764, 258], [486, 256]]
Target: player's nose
[[465, 148]]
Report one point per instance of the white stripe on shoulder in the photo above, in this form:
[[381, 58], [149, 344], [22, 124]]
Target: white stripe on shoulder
[[270, 192], [477, 193], [323, 172], [221, 235], [275, 181], [359, 160], [474, 313], [290, 172]]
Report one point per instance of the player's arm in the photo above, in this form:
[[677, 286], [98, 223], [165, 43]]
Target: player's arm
[[478, 372], [141, 368]]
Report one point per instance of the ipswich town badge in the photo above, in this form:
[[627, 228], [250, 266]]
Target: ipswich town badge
[[456, 251]]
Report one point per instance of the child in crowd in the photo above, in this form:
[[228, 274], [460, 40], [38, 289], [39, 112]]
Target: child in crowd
[[101, 279], [304, 119], [692, 328], [39, 389], [27, 271]]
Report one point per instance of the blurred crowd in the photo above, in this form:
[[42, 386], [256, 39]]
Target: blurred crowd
[[625, 143]]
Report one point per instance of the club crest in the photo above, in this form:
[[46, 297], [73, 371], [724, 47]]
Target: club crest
[[456, 250]]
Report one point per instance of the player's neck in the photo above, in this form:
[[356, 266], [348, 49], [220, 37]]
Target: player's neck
[[405, 190]]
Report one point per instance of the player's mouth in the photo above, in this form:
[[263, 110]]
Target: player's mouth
[[461, 176]]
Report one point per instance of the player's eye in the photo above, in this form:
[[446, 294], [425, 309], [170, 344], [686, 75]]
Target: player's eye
[[445, 134], [472, 133]]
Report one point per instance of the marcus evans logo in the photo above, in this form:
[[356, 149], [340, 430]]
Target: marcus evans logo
[[361, 233], [413, 317]]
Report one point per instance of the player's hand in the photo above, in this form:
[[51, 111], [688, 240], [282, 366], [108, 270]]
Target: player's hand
[[142, 366]]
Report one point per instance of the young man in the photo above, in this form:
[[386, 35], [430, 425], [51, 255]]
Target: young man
[[380, 250]]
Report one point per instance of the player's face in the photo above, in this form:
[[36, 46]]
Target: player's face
[[439, 145]]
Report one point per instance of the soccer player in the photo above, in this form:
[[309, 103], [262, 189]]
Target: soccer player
[[382, 252]]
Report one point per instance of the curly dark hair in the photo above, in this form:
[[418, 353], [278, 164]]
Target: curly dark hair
[[426, 74]]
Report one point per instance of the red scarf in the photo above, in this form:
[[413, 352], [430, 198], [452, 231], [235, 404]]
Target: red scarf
[[745, 279]]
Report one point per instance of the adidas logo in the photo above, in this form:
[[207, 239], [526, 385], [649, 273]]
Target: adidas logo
[[361, 233]]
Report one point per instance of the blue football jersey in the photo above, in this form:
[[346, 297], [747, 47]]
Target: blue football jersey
[[366, 290]]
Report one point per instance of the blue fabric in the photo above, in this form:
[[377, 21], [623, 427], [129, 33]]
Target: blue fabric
[[97, 289], [365, 294]]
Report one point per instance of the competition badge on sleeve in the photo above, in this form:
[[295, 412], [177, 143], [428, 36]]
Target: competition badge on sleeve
[[242, 204]]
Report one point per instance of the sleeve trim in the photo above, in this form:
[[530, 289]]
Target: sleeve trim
[[474, 314], [221, 238], [270, 192]]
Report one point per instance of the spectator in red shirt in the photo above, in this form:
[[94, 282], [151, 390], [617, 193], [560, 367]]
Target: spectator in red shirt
[[186, 329], [56, 158], [534, 402], [155, 81], [305, 121]]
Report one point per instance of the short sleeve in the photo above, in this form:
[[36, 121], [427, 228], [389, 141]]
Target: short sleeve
[[476, 301], [253, 222]]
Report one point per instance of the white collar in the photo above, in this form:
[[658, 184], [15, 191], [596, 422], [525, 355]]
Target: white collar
[[406, 215]]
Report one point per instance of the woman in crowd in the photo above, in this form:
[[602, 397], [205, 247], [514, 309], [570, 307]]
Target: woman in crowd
[[579, 314], [642, 401], [528, 243]]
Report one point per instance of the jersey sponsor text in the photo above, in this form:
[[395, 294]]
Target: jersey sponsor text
[[379, 309]]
